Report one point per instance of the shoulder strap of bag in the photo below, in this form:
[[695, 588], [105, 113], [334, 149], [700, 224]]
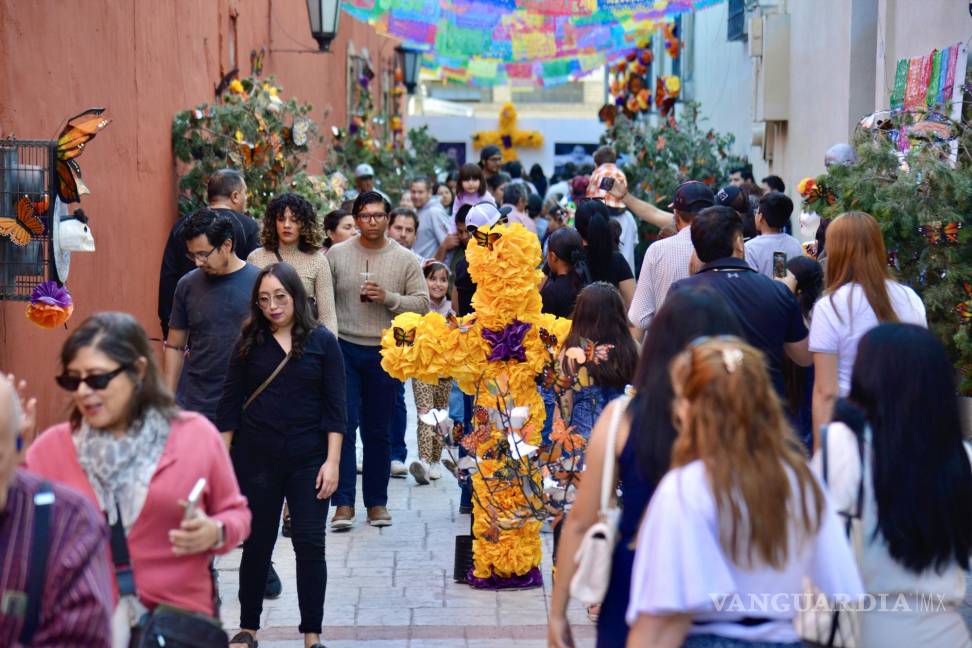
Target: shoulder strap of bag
[[266, 383], [610, 450], [119, 556], [276, 253], [37, 570]]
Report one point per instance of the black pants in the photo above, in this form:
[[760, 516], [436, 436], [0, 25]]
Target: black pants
[[265, 483]]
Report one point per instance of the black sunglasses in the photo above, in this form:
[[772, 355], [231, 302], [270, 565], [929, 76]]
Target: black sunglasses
[[94, 381]]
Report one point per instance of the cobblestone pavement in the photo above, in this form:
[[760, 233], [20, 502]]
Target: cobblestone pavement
[[393, 587]]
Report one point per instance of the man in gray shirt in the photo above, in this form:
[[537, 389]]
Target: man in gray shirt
[[773, 214], [434, 225], [208, 310]]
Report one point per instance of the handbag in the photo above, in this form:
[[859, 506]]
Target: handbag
[[311, 301], [266, 383], [837, 628], [37, 566], [166, 625], [593, 557]]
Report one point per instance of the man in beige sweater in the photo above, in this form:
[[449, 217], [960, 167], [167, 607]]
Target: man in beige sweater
[[374, 279]]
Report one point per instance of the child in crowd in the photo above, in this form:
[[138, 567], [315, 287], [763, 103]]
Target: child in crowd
[[472, 188], [432, 396], [809, 278], [567, 272]]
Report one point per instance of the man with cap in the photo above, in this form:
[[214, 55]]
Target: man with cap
[[364, 181], [490, 159], [667, 261]]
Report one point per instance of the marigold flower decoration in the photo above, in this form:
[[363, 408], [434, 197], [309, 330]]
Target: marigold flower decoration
[[503, 263]]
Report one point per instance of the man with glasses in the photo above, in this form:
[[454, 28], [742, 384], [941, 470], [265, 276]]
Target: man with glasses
[[208, 310], [375, 279]]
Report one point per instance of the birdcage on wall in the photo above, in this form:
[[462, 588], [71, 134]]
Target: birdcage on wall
[[27, 192]]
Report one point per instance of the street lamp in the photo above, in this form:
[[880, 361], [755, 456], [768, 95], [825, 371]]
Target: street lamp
[[324, 15], [408, 61]]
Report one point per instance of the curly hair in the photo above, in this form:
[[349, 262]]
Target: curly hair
[[311, 237]]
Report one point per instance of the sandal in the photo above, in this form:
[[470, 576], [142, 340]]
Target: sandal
[[244, 638]]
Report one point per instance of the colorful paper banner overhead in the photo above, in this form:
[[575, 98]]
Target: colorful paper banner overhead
[[545, 42]]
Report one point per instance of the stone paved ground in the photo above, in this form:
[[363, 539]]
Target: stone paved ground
[[393, 587]]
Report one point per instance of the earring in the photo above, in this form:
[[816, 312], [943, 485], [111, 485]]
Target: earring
[[19, 442]]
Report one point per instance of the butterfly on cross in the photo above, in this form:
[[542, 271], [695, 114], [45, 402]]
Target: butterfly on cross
[[24, 226], [79, 130], [403, 337], [487, 239], [455, 324]]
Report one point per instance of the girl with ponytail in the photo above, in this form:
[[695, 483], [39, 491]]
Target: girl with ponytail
[[567, 272], [606, 263]]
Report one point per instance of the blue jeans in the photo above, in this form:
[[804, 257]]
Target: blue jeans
[[371, 399], [399, 451], [465, 498]]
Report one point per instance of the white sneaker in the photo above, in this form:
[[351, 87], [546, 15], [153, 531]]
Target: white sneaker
[[399, 469], [434, 472], [420, 471]]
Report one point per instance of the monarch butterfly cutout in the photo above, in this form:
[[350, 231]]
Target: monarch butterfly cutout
[[79, 130], [487, 239], [24, 226], [964, 309], [548, 338], [403, 337], [455, 324]]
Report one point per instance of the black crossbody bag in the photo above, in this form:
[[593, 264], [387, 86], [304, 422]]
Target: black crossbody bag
[[37, 567], [165, 626]]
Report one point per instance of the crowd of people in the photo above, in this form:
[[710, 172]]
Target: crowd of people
[[772, 393]]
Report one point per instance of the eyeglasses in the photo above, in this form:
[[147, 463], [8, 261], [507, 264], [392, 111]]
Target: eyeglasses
[[374, 217], [97, 382], [279, 299], [495, 158], [199, 256]]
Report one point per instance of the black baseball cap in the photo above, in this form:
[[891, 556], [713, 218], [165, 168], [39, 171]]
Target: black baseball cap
[[734, 197], [488, 152], [692, 196]]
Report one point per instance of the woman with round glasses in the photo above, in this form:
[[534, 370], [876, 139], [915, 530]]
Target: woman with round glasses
[[136, 456], [282, 446]]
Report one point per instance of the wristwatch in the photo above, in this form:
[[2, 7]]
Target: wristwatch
[[222, 534]]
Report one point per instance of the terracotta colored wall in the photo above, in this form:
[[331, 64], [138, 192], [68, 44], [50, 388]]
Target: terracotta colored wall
[[144, 60]]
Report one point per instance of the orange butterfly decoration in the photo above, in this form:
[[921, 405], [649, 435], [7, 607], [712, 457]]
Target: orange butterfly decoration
[[486, 240], [403, 337], [455, 324], [79, 130], [964, 309], [24, 226]]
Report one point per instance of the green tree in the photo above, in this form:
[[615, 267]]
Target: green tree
[[923, 202]]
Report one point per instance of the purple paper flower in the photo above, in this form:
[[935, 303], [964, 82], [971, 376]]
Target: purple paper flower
[[51, 294], [507, 343], [507, 141]]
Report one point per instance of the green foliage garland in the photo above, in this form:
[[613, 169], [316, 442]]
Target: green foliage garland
[[251, 129]]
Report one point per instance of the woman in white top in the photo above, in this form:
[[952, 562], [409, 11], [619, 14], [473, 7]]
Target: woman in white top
[[292, 234], [739, 521], [916, 502], [860, 295]]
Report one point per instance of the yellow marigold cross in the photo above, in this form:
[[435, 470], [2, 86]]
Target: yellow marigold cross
[[508, 138]]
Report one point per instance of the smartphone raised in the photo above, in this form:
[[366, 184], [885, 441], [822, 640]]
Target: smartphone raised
[[192, 502], [607, 184], [779, 264]]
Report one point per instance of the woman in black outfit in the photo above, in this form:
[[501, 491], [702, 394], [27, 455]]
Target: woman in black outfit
[[283, 406], [606, 263], [567, 272]]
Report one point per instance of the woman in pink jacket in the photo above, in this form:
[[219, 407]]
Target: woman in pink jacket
[[136, 456]]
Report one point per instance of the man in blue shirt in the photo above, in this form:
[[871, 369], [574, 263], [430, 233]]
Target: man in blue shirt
[[766, 309]]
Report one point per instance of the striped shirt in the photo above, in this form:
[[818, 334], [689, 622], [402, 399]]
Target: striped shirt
[[666, 261], [76, 605]]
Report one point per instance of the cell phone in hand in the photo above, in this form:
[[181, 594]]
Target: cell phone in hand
[[192, 502], [607, 184], [779, 264]]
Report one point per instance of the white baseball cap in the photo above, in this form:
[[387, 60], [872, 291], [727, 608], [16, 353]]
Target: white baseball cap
[[485, 213], [364, 171]]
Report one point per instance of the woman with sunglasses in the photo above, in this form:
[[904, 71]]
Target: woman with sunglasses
[[283, 409], [136, 456]]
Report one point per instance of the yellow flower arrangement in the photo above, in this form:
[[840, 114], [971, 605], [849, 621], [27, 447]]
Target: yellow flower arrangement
[[503, 263]]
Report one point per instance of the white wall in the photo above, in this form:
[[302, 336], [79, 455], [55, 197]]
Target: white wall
[[558, 129]]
